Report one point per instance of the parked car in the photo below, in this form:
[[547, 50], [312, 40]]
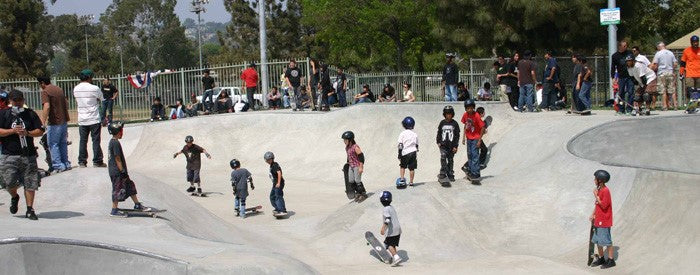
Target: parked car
[[235, 94]]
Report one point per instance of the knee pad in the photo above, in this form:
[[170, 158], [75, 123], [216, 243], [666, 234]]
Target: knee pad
[[637, 98], [647, 97]]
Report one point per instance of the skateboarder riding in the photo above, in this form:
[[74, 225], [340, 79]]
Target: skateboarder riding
[[122, 186], [391, 227], [356, 161], [277, 193], [602, 219], [240, 177], [448, 141], [194, 163], [408, 149]]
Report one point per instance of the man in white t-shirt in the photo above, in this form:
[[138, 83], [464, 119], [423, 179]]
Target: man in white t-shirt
[[665, 64], [646, 79], [88, 98]]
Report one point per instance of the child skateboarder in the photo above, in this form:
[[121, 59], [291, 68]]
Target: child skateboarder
[[193, 154], [391, 227], [448, 141], [408, 148], [277, 193], [122, 186], [356, 161], [483, 149], [473, 130], [602, 219], [240, 177]]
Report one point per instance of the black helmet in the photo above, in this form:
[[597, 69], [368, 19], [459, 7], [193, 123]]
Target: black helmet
[[115, 127], [235, 163], [448, 110], [349, 135], [469, 102], [385, 199], [602, 175], [694, 38], [408, 122], [189, 139]]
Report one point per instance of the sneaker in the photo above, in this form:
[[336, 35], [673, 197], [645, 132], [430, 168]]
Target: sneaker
[[199, 191], [451, 178], [238, 212], [13, 205], [31, 215], [608, 264], [465, 169], [396, 262], [469, 176], [600, 261], [283, 213], [140, 207], [82, 165], [410, 184], [100, 165], [482, 166], [116, 213], [191, 189]]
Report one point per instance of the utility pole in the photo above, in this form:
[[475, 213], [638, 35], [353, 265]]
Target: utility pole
[[612, 44], [85, 21], [198, 8], [263, 50]]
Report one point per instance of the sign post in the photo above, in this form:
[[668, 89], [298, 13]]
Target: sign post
[[611, 17]]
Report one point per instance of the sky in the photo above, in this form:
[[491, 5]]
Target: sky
[[215, 10]]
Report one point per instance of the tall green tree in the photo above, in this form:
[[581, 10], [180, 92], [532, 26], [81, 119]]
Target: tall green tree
[[23, 51]]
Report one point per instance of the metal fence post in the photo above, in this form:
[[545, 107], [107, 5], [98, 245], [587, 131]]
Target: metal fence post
[[182, 82]]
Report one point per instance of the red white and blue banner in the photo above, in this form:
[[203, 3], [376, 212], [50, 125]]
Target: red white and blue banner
[[142, 80]]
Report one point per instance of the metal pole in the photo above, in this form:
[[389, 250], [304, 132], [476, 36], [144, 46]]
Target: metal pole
[[87, 52], [263, 49], [199, 38], [120, 80], [612, 45]]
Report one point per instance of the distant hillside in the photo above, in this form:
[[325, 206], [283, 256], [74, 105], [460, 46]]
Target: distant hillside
[[209, 30]]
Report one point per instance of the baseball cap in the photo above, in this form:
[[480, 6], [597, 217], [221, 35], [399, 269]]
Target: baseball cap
[[86, 72]]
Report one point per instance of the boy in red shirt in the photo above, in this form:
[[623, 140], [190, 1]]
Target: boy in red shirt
[[602, 219], [473, 130], [250, 77]]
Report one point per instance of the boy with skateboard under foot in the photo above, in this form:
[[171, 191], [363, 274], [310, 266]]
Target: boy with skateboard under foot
[[602, 219], [391, 227], [277, 193], [240, 177], [473, 130], [122, 186], [448, 141], [193, 156], [356, 161], [408, 148]]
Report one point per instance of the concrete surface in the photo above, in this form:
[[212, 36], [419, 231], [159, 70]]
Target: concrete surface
[[530, 214]]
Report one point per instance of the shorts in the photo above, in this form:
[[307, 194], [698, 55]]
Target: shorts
[[122, 188], [602, 236], [667, 83], [193, 176], [651, 88], [692, 82], [409, 161], [16, 170], [392, 241]]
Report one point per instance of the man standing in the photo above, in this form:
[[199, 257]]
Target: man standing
[[208, 94], [665, 63], [526, 81], [18, 128], [690, 68], [550, 77], [341, 86], [450, 76], [55, 119], [88, 98], [109, 94], [624, 80], [293, 77], [250, 77], [575, 79]]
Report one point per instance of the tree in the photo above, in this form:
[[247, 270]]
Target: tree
[[23, 51]]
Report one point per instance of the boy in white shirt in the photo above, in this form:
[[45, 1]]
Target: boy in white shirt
[[408, 147]]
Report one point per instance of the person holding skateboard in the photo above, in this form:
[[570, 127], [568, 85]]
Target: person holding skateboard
[[473, 131], [390, 227], [277, 193], [240, 177], [193, 156], [602, 219], [408, 149], [356, 161], [122, 186], [483, 149], [447, 140]]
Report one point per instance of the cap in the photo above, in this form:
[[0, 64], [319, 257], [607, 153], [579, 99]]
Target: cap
[[86, 72]]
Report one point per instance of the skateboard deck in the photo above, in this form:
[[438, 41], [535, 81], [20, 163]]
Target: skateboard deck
[[196, 194], [488, 120], [149, 211], [378, 247], [280, 216], [583, 113], [591, 246], [348, 187], [254, 209]]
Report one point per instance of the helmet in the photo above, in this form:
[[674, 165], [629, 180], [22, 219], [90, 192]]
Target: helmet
[[408, 122], [385, 198], [189, 139], [629, 57], [235, 163], [694, 38], [269, 156], [448, 110], [115, 127], [348, 135], [469, 102], [602, 175]]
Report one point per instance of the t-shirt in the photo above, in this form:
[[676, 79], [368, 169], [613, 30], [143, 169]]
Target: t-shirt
[[642, 59], [239, 181], [472, 125], [584, 70], [274, 167], [407, 94], [208, 82], [339, 80], [390, 218], [58, 105], [640, 70], [665, 60], [484, 93], [193, 154], [108, 91], [618, 64], [88, 97], [250, 76], [11, 145], [603, 210], [577, 70], [294, 76], [450, 74], [525, 69], [691, 57], [409, 140], [511, 81], [448, 134], [353, 159], [502, 69], [114, 150], [551, 65]]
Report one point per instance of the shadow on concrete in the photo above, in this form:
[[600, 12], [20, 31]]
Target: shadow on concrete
[[55, 215]]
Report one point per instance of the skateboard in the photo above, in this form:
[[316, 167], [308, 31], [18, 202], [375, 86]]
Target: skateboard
[[591, 246], [197, 194], [349, 191], [401, 183], [280, 215], [583, 113], [378, 247], [488, 120], [251, 210], [148, 211]]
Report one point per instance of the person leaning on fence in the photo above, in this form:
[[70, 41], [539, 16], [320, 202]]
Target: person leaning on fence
[[388, 94], [665, 63], [109, 95], [407, 93], [177, 110], [274, 98], [365, 96], [463, 93], [193, 108], [224, 104], [88, 97], [55, 119], [250, 77], [157, 110], [208, 84]]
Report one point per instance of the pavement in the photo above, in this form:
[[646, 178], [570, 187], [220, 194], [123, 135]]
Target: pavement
[[529, 215]]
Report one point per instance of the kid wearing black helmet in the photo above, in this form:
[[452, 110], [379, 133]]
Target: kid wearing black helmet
[[408, 148], [277, 192], [193, 156], [473, 131], [390, 227], [602, 219], [356, 162], [447, 140], [122, 186], [240, 177]]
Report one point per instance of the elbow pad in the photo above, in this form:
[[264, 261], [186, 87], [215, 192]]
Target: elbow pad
[[361, 158]]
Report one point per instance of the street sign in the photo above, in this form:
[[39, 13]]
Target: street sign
[[609, 16]]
